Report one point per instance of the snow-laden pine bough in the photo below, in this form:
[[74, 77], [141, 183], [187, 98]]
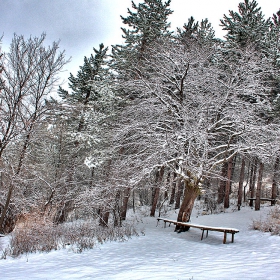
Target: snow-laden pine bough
[[186, 226]]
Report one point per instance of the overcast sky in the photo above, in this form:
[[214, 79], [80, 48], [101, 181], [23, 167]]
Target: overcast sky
[[81, 25]]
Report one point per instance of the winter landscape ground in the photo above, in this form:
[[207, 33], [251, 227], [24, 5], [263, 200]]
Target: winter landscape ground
[[161, 253]]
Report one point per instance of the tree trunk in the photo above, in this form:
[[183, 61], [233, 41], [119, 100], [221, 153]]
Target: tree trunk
[[155, 201], [5, 208], [253, 180], [191, 193], [11, 188], [159, 178], [179, 187], [259, 187], [104, 218], [274, 180], [117, 210], [173, 188], [241, 181], [227, 190], [222, 187], [234, 159], [247, 181], [126, 195]]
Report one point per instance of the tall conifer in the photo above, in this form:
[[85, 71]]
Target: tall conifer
[[145, 23]]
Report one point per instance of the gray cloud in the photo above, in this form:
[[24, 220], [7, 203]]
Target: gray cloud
[[83, 24]]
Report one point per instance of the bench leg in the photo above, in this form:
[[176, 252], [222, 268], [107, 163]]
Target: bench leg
[[164, 224], [225, 237], [202, 234], [232, 238], [206, 233]]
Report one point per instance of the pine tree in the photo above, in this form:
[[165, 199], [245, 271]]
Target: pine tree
[[200, 32], [83, 86], [85, 109], [246, 26], [146, 23]]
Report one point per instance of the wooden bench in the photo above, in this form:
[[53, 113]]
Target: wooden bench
[[203, 228], [264, 199]]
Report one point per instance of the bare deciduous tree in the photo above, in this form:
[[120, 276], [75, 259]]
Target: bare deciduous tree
[[28, 76], [199, 109]]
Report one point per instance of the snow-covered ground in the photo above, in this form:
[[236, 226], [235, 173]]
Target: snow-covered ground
[[163, 254]]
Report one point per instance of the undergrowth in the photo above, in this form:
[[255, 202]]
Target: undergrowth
[[38, 234], [271, 223]]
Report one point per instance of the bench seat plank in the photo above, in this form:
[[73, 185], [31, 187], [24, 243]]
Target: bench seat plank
[[203, 228]]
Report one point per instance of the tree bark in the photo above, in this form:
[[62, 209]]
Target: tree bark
[[241, 181], [253, 180], [104, 218], [126, 195], [173, 188], [191, 192], [234, 159], [117, 210], [159, 178], [179, 187], [222, 187], [227, 190], [155, 200], [274, 180], [259, 187]]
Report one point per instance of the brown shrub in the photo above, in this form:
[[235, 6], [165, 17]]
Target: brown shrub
[[271, 224], [35, 232]]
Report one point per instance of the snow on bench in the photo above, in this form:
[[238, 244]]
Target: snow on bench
[[264, 199], [203, 228]]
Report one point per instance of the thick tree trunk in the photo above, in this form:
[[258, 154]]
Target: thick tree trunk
[[227, 190], [274, 180], [159, 178], [253, 180], [259, 187], [191, 193], [222, 187], [241, 181], [126, 195]]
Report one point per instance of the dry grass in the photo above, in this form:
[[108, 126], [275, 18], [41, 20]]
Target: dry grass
[[37, 233], [271, 224]]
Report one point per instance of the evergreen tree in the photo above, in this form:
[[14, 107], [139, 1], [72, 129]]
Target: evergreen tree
[[146, 23], [83, 85], [200, 32], [84, 113], [246, 26], [249, 31]]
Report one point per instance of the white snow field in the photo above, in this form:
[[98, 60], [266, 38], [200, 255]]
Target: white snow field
[[163, 254]]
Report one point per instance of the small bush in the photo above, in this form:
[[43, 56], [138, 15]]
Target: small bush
[[271, 224], [33, 233], [38, 234]]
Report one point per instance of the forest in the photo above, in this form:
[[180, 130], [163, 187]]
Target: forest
[[165, 119]]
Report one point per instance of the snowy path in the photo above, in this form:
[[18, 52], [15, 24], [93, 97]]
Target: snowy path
[[163, 254]]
